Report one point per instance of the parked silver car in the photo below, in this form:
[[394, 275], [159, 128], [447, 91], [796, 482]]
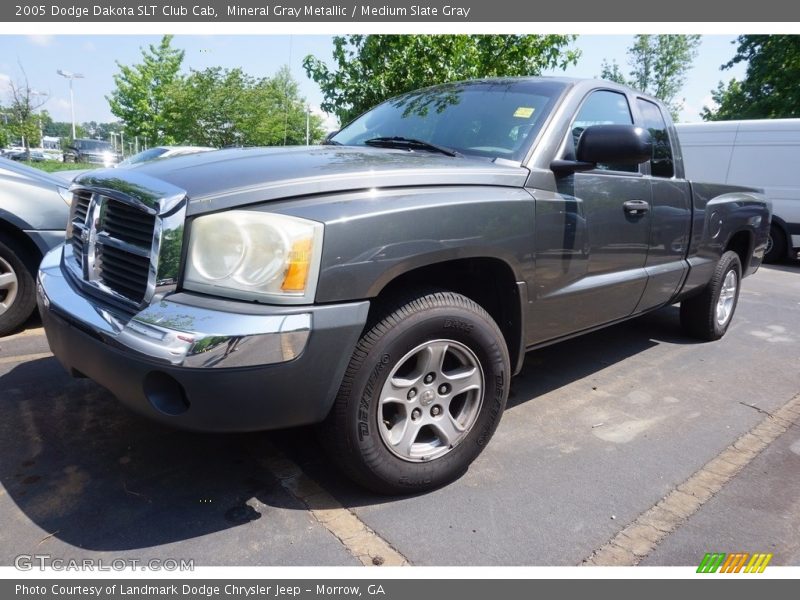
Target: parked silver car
[[33, 215]]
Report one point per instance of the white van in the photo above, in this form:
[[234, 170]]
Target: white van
[[763, 154]]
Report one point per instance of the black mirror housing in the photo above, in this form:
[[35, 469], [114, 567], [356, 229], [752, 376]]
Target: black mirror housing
[[614, 144]]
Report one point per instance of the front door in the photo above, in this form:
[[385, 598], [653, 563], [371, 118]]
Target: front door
[[591, 237]]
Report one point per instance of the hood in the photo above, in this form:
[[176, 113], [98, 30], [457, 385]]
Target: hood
[[240, 176], [10, 169]]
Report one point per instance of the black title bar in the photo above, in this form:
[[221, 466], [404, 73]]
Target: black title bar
[[456, 11]]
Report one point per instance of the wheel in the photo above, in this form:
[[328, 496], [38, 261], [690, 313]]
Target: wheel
[[422, 395], [17, 288], [708, 315], [776, 245]]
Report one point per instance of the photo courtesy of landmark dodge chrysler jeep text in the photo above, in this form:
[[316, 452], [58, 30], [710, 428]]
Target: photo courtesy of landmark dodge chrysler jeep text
[[388, 283]]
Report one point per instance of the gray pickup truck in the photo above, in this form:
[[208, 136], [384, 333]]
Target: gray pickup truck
[[387, 284]]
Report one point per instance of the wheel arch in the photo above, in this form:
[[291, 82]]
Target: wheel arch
[[13, 232], [742, 242], [488, 281], [787, 235]]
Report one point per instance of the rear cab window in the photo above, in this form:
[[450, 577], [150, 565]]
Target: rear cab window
[[662, 164]]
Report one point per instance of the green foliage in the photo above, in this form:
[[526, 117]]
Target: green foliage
[[214, 107], [63, 129], [368, 69], [227, 107], [101, 131], [27, 130], [612, 72], [51, 165], [144, 92], [659, 64], [20, 118], [770, 87]]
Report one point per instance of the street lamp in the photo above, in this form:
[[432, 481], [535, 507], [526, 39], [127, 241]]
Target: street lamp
[[70, 75]]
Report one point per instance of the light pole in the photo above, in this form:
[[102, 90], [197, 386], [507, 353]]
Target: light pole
[[70, 75]]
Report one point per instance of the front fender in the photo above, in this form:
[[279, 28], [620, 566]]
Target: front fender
[[373, 237]]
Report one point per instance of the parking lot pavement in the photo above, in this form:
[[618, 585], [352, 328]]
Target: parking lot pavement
[[82, 476], [598, 430], [759, 511]]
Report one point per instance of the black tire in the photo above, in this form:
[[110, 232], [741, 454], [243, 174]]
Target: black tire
[[14, 259], [351, 432], [699, 313], [777, 245]]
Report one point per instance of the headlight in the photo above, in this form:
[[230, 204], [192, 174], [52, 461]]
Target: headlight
[[254, 256]]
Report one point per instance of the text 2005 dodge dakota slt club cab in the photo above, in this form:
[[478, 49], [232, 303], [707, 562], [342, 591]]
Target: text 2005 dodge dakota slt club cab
[[388, 283]]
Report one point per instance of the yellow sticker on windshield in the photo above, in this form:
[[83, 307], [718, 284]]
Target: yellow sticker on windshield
[[524, 112]]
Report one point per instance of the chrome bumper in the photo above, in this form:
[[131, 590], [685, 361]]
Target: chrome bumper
[[178, 334]]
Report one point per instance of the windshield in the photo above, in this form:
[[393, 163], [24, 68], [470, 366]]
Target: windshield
[[93, 145], [494, 119], [143, 156]]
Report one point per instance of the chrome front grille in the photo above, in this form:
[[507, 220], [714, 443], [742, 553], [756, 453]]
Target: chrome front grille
[[124, 272], [129, 224], [80, 210], [124, 238], [112, 244]]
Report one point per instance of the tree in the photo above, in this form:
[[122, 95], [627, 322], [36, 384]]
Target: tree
[[23, 121], [62, 129], [659, 64], [227, 107], [143, 98], [101, 131], [769, 89], [371, 68], [612, 72]]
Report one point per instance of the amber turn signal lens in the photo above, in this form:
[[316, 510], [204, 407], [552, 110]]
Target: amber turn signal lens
[[299, 264]]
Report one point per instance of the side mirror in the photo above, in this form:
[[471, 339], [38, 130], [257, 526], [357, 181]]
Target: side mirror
[[614, 144], [608, 144]]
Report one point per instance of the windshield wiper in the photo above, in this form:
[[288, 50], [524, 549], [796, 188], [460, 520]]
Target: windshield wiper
[[331, 143], [403, 142]]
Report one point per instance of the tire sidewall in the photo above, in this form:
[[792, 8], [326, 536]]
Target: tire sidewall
[[25, 302], [779, 245], [730, 262], [452, 323]]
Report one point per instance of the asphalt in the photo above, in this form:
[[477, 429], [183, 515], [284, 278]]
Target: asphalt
[[597, 431], [759, 511]]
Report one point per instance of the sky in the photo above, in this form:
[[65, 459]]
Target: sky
[[96, 57]]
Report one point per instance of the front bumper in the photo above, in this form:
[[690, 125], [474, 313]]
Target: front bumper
[[200, 363]]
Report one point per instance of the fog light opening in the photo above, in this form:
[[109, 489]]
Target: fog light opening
[[165, 393]]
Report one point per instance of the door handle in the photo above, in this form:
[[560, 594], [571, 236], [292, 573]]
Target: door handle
[[636, 207]]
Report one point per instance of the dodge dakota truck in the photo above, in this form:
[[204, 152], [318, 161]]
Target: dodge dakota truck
[[387, 284]]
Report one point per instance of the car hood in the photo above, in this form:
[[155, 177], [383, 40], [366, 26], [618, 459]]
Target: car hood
[[241, 176], [10, 169], [70, 175]]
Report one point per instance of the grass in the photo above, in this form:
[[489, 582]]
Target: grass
[[52, 165]]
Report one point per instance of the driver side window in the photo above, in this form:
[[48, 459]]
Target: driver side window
[[602, 107]]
